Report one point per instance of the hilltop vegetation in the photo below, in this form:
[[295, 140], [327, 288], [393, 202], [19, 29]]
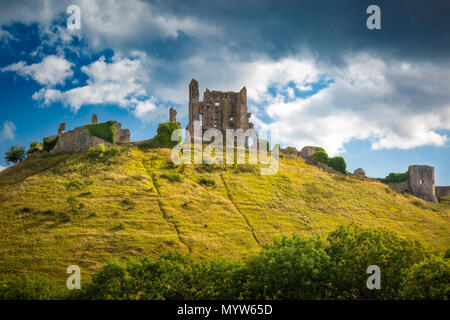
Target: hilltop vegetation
[[70, 209]]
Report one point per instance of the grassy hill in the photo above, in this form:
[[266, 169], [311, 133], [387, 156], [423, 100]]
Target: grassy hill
[[60, 210]]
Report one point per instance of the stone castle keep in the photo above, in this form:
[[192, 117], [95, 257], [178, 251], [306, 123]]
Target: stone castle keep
[[228, 110], [220, 110]]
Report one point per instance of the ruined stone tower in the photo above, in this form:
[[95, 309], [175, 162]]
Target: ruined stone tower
[[421, 182], [220, 110]]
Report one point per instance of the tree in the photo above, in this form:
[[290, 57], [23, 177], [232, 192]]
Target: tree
[[15, 154]]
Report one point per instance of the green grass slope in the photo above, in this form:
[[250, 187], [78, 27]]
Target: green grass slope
[[61, 210]]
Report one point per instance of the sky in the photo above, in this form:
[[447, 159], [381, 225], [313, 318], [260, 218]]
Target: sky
[[313, 71]]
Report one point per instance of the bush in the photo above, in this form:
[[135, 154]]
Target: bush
[[35, 148], [338, 164], [321, 156], [15, 154], [100, 152], [428, 280], [28, 288], [49, 144], [318, 149], [207, 182], [164, 134], [290, 268], [352, 249], [396, 177], [105, 130], [173, 177]]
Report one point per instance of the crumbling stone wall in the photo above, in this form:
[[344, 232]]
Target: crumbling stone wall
[[220, 110], [442, 192], [121, 135], [77, 140]]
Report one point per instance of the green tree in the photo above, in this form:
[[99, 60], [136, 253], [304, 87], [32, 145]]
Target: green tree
[[15, 154], [352, 249], [290, 268], [321, 156], [429, 279]]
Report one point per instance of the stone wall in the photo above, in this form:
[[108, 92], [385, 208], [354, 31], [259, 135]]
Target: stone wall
[[442, 192], [77, 140], [121, 135]]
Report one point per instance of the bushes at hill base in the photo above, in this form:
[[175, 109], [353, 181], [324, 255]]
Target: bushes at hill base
[[321, 156], [428, 280], [49, 144], [289, 268], [396, 177], [338, 164], [100, 152], [105, 130], [14, 287]]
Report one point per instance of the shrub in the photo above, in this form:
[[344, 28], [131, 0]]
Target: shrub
[[105, 130], [127, 203], [173, 177], [207, 182], [321, 156], [289, 150], [396, 177], [15, 154], [318, 149], [290, 268], [101, 152], [429, 279], [35, 147], [338, 164], [49, 144], [352, 249], [14, 287], [164, 134]]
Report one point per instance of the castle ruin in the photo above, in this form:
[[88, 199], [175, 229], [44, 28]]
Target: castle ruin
[[219, 110]]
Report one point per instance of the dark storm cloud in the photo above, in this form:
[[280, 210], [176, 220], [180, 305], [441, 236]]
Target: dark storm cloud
[[412, 29]]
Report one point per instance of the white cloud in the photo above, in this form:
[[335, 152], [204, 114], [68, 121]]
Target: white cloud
[[52, 70], [8, 131], [2, 168], [120, 82]]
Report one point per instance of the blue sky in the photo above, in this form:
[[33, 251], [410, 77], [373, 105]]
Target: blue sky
[[314, 72]]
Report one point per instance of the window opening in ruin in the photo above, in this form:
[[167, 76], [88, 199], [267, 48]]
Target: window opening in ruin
[[420, 181], [215, 123], [231, 121], [200, 118], [217, 103]]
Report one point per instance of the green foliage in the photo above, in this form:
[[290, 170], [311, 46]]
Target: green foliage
[[49, 144], [164, 134], [318, 149], [15, 154], [105, 130], [35, 148], [289, 150], [176, 177], [28, 288], [338, 164], [290, 268], [321, 156], [352, 249], [429, 279], [396, 177], [207, 181], [100, 152]]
